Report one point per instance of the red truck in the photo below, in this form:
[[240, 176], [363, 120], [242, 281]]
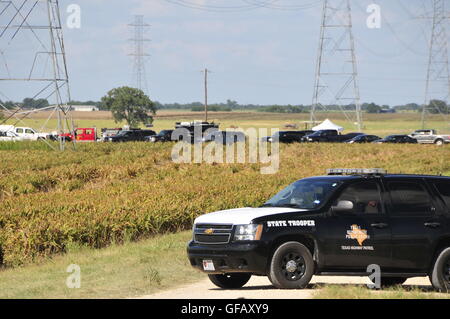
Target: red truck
[[82, 135]]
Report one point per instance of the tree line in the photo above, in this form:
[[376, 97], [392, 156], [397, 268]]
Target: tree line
[[133, 106]]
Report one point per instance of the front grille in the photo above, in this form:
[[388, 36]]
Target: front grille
[[212, 234]]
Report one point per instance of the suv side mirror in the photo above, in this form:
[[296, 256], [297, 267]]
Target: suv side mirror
[[343, 206]]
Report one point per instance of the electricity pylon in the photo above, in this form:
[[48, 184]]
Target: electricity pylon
[[437, 85], [34, 62], [336, 82], [139, 55]]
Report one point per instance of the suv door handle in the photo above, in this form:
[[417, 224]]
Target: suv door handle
[[432, 225], [379, 225]]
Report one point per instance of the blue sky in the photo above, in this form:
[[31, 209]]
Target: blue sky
[[260, 56]]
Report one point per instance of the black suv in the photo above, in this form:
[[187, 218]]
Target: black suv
[[397, 139], [338, 224], [130, 136], [287, 136], [162, 136]]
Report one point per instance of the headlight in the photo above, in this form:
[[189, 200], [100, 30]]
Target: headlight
[[248, 232]]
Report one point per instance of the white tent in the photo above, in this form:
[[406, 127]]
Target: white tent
[[328, 125]]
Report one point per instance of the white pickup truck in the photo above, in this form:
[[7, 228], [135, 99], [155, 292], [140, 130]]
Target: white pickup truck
[[430, 137], [9, 137], [25, 133]]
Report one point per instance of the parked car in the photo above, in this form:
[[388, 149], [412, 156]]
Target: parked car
[[162, 136], [339, 224], [363, 138], [225, 137], [430, 137], [287, 136], [108, 132], [195, 130], [400, 139], [134, 135], [330, 136]]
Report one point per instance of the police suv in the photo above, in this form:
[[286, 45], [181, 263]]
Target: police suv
[[337, 224]]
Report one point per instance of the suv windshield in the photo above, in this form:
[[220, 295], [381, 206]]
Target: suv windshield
[[305, 194]]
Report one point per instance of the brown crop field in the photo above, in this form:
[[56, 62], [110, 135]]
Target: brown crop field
[[106, 193]]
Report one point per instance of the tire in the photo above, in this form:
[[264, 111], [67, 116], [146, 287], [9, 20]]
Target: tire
[[392, 281], [230, 281], [439, 142], [296, 256], [440, 276]]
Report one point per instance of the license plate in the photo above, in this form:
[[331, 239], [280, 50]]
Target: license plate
[[208, 265]]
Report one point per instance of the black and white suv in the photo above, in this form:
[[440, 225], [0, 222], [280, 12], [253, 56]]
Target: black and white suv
[[337, 224]]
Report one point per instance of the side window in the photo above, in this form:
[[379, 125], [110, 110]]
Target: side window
[[409, 198], [28, 131], [365, 197], [444, 190], [19, 130]]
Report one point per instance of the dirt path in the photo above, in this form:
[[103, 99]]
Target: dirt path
[[261, 288]]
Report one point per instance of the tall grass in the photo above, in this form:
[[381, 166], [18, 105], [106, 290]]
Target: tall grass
[[107, 193]]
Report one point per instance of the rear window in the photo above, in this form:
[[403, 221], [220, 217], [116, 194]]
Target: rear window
[[409, 198], [444, 190]]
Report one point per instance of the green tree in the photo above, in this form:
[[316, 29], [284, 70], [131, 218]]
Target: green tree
[[129, 104], [373, 108], [438, 106]]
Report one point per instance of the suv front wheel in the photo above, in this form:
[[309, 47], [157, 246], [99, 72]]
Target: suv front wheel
[[292, 266], [440, 277]]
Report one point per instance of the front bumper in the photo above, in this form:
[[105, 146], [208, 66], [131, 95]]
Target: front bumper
[[244, 257]]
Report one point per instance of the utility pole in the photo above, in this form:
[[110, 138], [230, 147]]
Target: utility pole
[[336, 70], [438, 76], [206, 92]]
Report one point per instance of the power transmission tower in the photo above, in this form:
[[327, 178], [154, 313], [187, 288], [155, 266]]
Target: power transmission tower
[[139, 55], [34, 60], [437, 85], [336, 82]]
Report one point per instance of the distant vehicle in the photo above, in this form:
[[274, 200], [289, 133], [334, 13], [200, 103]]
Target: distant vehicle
[[163, 136], [398, 139], [225, 137], [26, 133], [194, 127], [82, 135], [287, 136], [134, 135], [330, 136], [9, 137], [363, 139], [108, 132], [430, 137]]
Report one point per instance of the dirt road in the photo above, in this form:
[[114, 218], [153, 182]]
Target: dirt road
[[261, 288]]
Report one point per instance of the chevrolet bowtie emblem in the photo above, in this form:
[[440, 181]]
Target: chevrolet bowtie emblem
[[209, 231]]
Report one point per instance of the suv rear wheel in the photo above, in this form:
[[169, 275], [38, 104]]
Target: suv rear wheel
[[292, 266], [230, 281], [440, 276]]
